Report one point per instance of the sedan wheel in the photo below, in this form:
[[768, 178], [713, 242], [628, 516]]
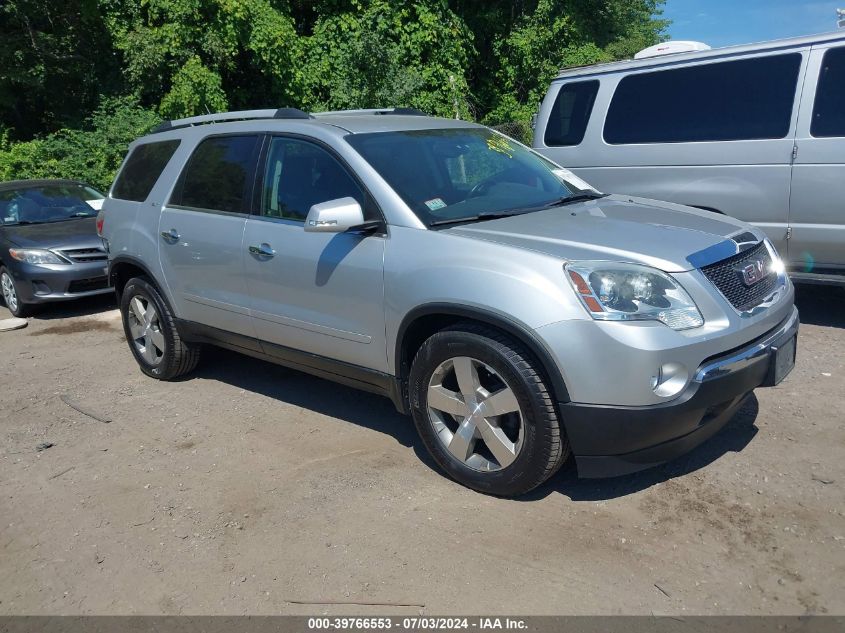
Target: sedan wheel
[[10, 296], [475, 414]]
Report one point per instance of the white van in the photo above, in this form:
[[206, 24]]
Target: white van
[[756, 132]]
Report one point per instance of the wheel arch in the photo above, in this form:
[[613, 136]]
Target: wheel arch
[[123, 267], [425, 320]]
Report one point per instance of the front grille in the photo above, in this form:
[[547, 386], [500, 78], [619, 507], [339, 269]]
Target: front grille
[[83, 255], [87, 285], [727, 276]]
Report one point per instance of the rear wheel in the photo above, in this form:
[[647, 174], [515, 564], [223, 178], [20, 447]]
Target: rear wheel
[[484, 411], [11, 296], [151, 332]]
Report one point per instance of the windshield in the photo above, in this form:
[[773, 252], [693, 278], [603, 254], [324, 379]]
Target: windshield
[[446, 175], [47, 203]]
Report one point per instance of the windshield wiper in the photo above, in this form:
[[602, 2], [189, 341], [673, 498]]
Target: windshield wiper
[[577, 197], [486, 215]]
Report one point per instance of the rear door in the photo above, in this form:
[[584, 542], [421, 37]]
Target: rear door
[[321, 293], [201, 230], [817, 201]]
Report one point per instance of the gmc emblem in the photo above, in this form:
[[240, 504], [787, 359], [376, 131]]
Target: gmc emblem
[[752, 273]]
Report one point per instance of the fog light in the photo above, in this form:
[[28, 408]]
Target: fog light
[[40, 288], [669, 380]]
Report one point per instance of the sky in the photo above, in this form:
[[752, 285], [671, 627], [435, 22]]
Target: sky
[[727, 22]]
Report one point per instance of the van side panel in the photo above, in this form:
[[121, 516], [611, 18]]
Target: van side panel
[[817, 203], [746, 179]]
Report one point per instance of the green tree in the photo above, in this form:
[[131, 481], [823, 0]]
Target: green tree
[[91, 154], [382, 53], [55, 60]]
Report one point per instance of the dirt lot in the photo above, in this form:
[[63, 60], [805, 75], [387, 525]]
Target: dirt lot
[[247, 488]]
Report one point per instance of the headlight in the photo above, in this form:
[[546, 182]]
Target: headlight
[[36, 256], [627, 292]]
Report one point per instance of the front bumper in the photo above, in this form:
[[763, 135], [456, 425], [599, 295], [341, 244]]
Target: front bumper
[[42, 284], [613, 440]]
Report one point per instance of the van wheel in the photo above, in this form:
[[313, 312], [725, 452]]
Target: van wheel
[[484, 411], [151, 332]]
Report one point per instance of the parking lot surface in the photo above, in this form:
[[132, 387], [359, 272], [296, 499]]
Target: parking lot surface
[[250, 488]]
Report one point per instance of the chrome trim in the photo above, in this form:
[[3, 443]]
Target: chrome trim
[[748, 355]]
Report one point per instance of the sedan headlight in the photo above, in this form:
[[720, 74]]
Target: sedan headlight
[[36, 256], [628, 292]]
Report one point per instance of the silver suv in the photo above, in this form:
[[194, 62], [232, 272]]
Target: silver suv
[[517, 314]]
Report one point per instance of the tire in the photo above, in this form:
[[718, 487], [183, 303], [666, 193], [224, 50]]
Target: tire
[[152, 337], [522, 455], [11, 296]]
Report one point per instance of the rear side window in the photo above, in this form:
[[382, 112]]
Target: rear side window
[[571, 113], [829, 109], [217, 174], [726, 101], [142, 169]]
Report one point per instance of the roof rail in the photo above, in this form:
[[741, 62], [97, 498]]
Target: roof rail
[[241, 115], [376, 111]]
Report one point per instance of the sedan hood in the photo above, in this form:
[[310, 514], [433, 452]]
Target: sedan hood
[[69, 234], [617, 228]]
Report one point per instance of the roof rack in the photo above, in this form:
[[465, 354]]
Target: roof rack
[[242, 115], [375, 111]]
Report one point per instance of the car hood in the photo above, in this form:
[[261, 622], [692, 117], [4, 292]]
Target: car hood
[[77, 233], [618, 228]]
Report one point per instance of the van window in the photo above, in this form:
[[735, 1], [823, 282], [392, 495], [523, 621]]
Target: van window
[[829, 109], [571, 113], [726, 101], [142, 169], [217, 174]]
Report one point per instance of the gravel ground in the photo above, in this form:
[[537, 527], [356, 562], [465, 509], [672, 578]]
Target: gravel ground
[[250, 488]]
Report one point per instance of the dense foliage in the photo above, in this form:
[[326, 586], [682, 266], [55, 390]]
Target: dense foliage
[[132, 62]]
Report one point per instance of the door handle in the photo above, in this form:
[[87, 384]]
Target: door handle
[[171, 236], [262, 250]]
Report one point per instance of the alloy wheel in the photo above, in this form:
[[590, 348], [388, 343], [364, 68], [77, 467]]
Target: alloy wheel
[[475, 414], [9, 294], [145, 329]]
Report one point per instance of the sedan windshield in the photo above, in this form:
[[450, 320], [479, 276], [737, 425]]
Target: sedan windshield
[[47, 203], [448, 176]]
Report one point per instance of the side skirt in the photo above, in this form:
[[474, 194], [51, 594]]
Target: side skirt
[[337, 371]]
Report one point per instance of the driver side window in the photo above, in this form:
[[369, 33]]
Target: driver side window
[[299, 174]]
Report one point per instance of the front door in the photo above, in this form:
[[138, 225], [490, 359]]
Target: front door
[[321, 293], [817, 199], [201, 232]]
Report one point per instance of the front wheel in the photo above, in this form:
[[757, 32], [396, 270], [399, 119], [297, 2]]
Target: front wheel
[[483, 410], [10, 295], [151, 332]]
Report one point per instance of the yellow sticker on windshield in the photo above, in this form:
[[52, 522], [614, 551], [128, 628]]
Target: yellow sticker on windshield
[[500, 144]]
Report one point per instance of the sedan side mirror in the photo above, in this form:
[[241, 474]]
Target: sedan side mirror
[[334, 216]]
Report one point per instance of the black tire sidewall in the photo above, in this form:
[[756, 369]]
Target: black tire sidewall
[[166, 369], [528, 469]]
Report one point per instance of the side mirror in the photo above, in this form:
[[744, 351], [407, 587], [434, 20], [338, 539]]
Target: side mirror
[[334, 216]]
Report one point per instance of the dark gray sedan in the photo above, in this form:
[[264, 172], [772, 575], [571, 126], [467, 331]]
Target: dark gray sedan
[[49, 248]]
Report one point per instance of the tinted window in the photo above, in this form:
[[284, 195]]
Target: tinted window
[[829, 109], [571, 113], [217, 174], [142, 169], [728, 101], [299, 175]]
